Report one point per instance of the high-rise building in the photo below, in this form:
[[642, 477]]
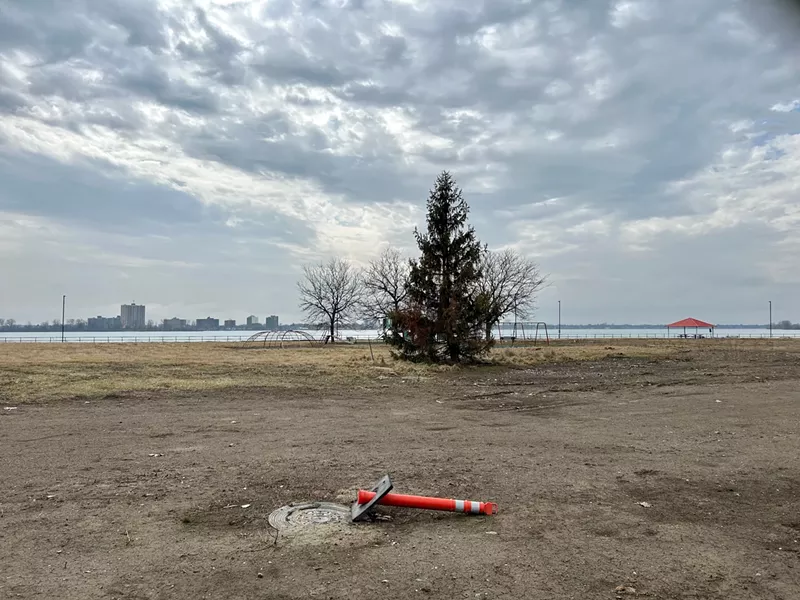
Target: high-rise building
[[132, 316], [104, 324], [207, 324], [174, 324], [271, 323], [230, 323], [252, 320]]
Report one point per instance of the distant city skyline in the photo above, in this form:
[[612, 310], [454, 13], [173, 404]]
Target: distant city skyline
[[779, 314], [274, 322], [134, 316], [688, 303]]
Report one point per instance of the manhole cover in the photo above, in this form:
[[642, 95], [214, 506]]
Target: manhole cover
[[310, 514]]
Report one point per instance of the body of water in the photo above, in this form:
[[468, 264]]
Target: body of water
[[529, 333]]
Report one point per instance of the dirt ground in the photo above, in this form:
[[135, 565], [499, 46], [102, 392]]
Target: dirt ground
[[138, 493]]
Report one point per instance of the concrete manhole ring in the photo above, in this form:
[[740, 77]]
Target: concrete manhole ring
[[309, 514]]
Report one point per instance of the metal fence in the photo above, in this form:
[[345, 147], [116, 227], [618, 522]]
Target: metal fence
[[116, 339], [363, 338], [144, 339]]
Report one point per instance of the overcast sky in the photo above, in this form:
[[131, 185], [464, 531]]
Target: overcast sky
[[192, 156]]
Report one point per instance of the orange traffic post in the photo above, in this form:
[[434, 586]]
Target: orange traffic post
[[426, 502]]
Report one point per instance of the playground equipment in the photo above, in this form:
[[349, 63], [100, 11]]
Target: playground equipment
[[379, 494], [279, 339], [536, 333], [518, 332]]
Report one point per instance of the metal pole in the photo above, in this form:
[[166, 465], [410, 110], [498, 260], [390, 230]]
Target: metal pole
[[63, 310], [770, 318], [559, 319]]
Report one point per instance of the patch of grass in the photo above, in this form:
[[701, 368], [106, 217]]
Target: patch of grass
[[31, 372], [649, 349]]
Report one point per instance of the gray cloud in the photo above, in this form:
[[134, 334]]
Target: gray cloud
[[219, 55], [10, 102], [155, 84], [76, 196], [588, 134]]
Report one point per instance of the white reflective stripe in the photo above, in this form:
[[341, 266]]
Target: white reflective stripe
[[476, 507], [460, 505]]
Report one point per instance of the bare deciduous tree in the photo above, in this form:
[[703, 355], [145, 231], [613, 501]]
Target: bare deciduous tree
[[385, 280], [508, 286], [330, 292]]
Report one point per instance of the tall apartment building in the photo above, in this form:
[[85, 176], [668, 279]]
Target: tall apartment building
[[230, 323], [252, 320], [132, 316], [271, 323]]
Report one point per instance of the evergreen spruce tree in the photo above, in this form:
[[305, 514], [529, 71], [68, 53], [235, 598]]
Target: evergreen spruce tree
[[443, 320]]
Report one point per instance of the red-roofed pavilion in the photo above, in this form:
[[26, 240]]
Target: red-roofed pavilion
[[688, 323]]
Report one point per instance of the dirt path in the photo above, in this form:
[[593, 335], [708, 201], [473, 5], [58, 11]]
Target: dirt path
[[125, 497]]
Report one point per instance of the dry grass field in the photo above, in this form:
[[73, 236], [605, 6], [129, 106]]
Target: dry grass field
[[126, 469], [46, 371]]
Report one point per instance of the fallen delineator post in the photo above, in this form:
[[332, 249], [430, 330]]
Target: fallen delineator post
[[380, 495]]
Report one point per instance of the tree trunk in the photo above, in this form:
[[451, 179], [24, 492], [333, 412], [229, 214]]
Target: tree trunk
[[488, 332], [454, 352]]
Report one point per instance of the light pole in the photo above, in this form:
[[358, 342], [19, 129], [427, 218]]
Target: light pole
[[559, 319], [63, 310], [770, 318]]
